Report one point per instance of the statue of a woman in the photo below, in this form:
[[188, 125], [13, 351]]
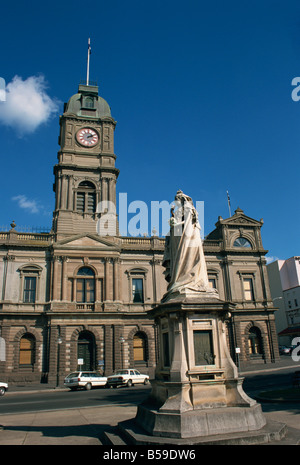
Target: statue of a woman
[[184, 259]]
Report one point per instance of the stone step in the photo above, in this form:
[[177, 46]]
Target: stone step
[[112, 438]]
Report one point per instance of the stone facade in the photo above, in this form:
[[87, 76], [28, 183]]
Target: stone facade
[[75, 293]]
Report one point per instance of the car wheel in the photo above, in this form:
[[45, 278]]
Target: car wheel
[[2, 391], [129, 383], [146, 381], [88, 386]]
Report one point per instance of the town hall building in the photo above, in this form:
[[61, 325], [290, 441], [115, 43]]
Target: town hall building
[[80, 293]]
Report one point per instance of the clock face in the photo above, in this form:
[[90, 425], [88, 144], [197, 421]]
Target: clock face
[[87, 137]]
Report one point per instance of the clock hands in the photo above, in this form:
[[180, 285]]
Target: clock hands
[[87, 137]]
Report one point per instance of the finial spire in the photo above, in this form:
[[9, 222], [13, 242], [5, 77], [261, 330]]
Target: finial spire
[[88, 63], [229, 205]]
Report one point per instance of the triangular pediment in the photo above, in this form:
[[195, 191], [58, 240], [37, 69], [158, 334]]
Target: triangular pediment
[[239, 218], [85, 241]]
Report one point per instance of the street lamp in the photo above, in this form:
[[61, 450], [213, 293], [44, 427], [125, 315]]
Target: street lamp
[[121, 341]]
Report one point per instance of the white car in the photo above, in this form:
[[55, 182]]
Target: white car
[[3, 388], [126, 377], [84, 379]]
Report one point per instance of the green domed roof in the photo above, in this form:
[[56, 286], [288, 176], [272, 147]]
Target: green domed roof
[[88, 103]]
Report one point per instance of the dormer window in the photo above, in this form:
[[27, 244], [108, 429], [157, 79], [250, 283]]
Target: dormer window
[[88, 102]]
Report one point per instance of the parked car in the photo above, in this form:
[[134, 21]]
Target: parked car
[[126, 378], [84, 379], [283, 350], [3, 388]]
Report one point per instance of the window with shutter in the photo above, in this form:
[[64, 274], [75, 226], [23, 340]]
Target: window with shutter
[[27, 348], [139, 348]]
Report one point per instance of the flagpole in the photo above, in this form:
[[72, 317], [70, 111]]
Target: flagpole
[[228, 200], [88, 63]]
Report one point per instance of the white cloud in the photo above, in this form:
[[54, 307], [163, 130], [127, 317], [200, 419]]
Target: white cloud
[[27, 104], [30, 205], [271, 259]]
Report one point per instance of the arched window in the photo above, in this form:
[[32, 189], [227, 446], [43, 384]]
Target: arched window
[[255, 341], [86, 197], [85, 290], [140, 347], [27, 350], [88, 102], [242, 242]]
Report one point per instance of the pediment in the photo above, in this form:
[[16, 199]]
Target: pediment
[[239, 218], [86, 241]]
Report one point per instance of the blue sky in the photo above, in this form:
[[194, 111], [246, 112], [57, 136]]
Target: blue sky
[[201, 92]]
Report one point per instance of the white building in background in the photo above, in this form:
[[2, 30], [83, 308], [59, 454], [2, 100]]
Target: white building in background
[[284, 278]]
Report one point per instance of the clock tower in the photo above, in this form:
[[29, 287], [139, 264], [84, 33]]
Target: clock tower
[[85, 175]]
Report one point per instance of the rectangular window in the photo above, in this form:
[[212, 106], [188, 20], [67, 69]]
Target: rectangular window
[[212, 283], [203, 347], [29, 289], [85, 292], [90, 290], [248, 289], [80, 291], [137, 290], [139, 349]]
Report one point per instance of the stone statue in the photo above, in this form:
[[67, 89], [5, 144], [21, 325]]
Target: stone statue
[[184, 262]]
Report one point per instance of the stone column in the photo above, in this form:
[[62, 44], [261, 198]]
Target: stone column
[[54, 278], [106, 278], [104, 190], [63, 279], [63, 192], [116, 295], [226, 278], [70, 193], [108, 349], [58, 190]]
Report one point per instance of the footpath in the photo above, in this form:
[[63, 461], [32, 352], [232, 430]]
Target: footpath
[[84, 426]]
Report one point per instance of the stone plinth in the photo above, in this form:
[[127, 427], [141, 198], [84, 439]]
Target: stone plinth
[[197, 391]]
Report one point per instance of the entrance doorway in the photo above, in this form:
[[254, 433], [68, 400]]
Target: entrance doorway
[[86, 350]]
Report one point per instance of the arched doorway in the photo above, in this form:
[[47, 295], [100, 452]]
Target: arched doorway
[[86, 350], [255, 342]]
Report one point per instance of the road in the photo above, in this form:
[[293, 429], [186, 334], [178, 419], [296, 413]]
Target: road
[[20, 402], [12, 403]]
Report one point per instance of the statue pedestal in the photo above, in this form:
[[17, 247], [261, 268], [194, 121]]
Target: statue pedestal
[[197, 390], [197, 395]]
